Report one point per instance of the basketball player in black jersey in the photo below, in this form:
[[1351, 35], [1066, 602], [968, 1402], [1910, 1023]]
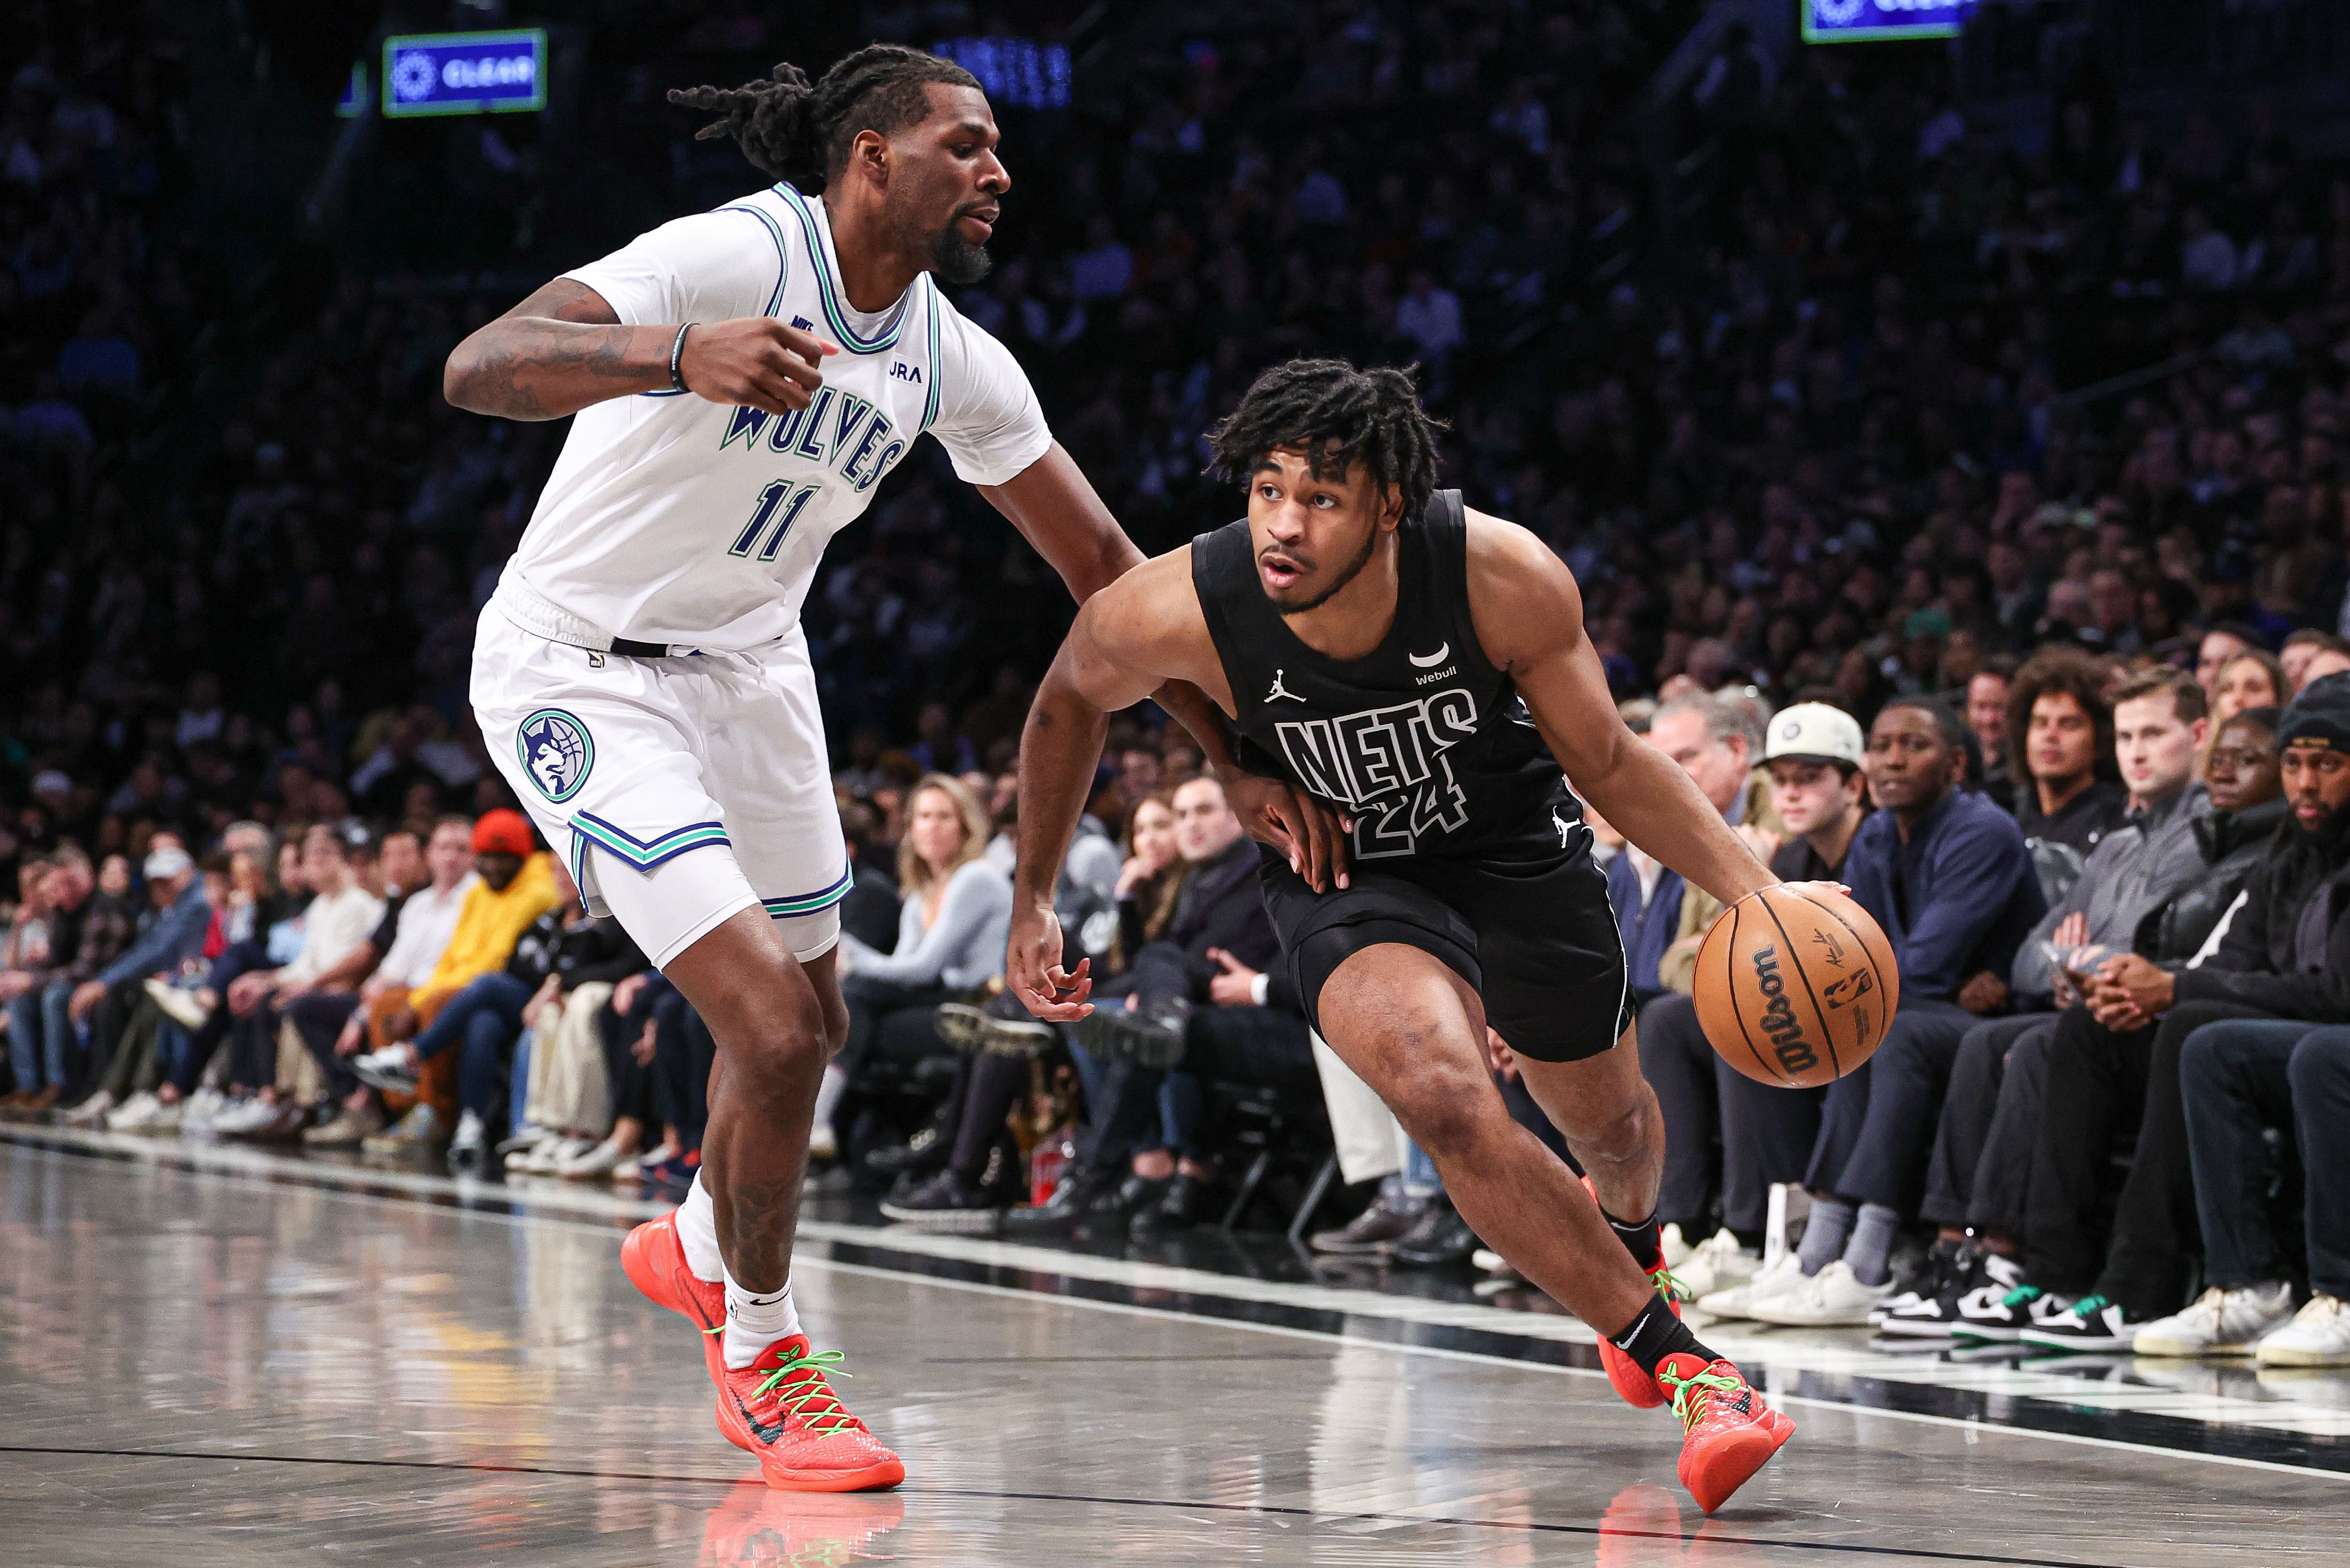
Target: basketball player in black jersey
[[1424, 669]]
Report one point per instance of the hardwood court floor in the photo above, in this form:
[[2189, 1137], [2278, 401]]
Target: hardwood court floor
[[221, 1366]]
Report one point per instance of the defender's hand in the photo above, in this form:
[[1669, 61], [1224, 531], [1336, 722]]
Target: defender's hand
[[1033, 970], [753, 361], [1311, 835]]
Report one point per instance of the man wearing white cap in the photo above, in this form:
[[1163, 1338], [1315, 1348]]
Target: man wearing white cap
[[1813, 755], [172, 932]]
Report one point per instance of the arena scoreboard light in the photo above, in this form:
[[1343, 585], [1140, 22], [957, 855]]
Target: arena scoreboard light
[[464, 73], [1021, 72], [1863, 21]]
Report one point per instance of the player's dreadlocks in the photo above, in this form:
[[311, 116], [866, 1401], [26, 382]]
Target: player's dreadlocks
[[801, 131], [1341, 416]]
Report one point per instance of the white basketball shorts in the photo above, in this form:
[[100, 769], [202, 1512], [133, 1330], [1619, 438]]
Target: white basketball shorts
[[681, 790]]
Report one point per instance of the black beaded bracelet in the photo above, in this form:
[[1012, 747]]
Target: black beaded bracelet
[[676, 355]]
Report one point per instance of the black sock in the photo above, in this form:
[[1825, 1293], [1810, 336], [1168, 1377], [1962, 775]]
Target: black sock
[[1644, 1241], [1655, 1334]]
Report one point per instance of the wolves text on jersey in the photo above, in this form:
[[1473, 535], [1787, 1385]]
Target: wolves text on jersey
[[1388, 765], [838, 430]]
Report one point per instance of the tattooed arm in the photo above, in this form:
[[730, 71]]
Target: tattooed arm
[[564, 347]]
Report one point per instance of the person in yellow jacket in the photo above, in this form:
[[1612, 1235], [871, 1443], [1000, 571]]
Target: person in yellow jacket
[[516, 887]]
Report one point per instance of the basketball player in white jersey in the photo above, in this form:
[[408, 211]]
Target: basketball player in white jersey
[[743, 380]]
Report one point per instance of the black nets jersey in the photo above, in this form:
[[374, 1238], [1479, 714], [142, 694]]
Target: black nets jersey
[[1428, 746]]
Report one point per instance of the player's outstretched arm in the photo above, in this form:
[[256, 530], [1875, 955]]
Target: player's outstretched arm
[[1141, 631], [564, 349], [1529, 618], [1056, 509]]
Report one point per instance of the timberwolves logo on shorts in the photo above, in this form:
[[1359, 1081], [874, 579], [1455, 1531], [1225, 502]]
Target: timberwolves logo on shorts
[[556, 752]]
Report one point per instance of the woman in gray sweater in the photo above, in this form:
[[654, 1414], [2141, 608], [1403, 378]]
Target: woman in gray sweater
[[952, 931]]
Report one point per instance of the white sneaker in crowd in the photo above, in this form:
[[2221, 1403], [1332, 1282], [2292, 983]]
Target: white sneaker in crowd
[[1784, 1277], [2318, 1335], [1716, 1263], [595, 1164], [200, 1110], [419, 1129], [392, 1068], [1833, 1298], [2221, 1323], [351, 1127], [180, 1006], [91, 1112], [1676, 1247], [541, 1158], [469, 1146], [146, 1113], [1499, 1275], [244, 1116], [526, 1135]]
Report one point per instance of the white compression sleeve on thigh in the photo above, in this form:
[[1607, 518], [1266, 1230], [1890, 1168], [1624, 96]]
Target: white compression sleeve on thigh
[[810, 937], [755, 1321], [697, 1231]]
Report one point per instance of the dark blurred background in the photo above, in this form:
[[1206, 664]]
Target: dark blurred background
[[1827, 366]]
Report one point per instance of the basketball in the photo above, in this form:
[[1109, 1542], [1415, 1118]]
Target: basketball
[[1795, 987]]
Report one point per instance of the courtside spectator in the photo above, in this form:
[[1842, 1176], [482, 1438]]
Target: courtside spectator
[[952, 931], [2241, 1082], [2060, 737], [2286, 954], [516, 886], [404, 949], [1812, 760], [1989, 1119], [1946, 874]]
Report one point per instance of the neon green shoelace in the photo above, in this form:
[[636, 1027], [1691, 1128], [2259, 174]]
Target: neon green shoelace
[[804, 1375], [1690, 1394], [1668, 1284]]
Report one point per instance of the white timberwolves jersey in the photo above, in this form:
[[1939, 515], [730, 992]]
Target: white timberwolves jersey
[[671, 519]]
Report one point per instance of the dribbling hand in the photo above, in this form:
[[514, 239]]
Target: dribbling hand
[[1033, 970], [1309, 834], [755, 362]]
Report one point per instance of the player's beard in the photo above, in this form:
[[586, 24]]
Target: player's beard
[[956, 261], [1353, 569]]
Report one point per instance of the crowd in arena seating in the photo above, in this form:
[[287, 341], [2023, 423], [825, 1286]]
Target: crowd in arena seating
[[2051, 681]]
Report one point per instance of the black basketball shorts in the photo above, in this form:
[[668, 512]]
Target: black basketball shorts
[[1536, 939]]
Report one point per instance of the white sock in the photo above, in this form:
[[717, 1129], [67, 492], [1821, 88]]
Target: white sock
[[828, 1093], [697, 1231], [755, 1321]]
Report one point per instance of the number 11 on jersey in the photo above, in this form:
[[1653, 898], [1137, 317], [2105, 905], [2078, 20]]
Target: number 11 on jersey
[[780, 503]]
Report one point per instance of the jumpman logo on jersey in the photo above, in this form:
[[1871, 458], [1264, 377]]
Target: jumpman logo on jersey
[[1280, 692], [1565, 829]]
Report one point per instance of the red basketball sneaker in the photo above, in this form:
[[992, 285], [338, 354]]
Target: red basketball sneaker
[[1637, 1388], [654, 1260], [1729, 1432], [781, 1408]]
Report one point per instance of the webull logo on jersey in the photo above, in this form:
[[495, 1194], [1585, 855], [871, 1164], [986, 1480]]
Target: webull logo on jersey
[[1387, 765], [1787, 1043], [557, 753], [847, 433]]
